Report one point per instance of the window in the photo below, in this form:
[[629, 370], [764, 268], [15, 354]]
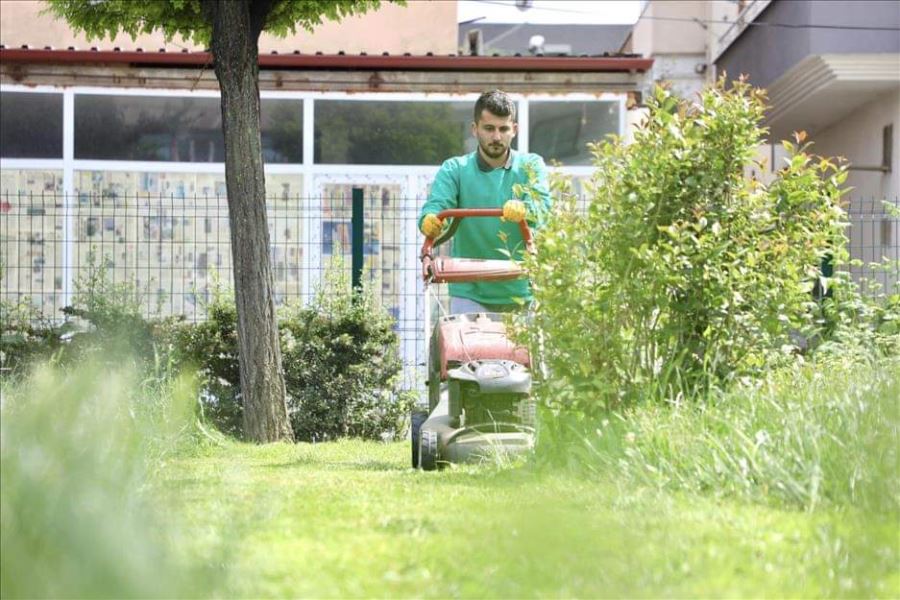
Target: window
[[31, 125], [391, 133], [561, 130], [177, 129]]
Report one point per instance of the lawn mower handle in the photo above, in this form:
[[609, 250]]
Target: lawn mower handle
[[457, 215]]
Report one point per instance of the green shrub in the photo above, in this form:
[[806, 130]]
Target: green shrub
[[342, 364], [211, 346], [25, 336], [683, 274], [340, 357]]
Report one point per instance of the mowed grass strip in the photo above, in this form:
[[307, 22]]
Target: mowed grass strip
[[351, 519]]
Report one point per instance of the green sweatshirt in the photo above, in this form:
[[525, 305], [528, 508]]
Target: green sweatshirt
[[469, 182]]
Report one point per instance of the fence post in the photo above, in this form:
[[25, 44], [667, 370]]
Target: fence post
[[357, 239]]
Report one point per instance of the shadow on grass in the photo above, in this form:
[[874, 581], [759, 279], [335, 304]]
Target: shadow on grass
[[337, 465], [469, 475]]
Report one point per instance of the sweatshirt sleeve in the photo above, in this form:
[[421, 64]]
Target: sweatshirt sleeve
[[537, 193], [444, 191]]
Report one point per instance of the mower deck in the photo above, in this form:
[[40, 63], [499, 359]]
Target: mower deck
[[440, 442]]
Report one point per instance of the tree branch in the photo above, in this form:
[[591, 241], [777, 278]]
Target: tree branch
[[259, 13]]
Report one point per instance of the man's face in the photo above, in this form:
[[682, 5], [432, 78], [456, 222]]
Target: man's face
[[494, 133]]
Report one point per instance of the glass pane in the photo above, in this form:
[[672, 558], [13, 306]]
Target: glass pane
[[169, 234], [32, 232], [282, 130], [30, 125], [383, 229], [176, 129], [391, 133], [561, 130]]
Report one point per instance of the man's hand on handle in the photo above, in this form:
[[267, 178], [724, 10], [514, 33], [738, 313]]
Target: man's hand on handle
[[514, 210], [432, 226]]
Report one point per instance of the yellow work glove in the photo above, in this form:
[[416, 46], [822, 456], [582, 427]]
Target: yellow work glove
[[432, 226], [514, 210]]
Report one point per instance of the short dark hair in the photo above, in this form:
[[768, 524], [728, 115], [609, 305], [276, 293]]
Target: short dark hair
[[497, 103]]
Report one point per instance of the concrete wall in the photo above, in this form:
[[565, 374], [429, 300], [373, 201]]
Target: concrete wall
[[417, 28], [858, 139], [765, 53], [652, 37], [678, 47], [878, 13], [874, 234], [721, 29]]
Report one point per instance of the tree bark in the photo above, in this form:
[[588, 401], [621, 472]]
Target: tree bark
[[236, 25]]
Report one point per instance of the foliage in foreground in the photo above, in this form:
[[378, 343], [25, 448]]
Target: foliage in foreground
[[684, 274], [77, 453], [108, 492]]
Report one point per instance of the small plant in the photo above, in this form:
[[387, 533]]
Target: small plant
[[99, 296]]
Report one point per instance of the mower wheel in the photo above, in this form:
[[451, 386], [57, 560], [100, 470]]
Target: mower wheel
[[417, 418], [428, 450]]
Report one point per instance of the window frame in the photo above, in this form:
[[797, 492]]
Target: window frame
[[416, 176]]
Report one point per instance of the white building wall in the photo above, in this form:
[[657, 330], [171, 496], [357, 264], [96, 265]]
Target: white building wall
[[858, 139], [874, 232]]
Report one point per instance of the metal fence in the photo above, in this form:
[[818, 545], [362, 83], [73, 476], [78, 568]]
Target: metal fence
[[173, 249], [874, 241]]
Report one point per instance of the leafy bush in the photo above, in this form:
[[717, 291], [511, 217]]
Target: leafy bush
[[683, 274], [340, 357], [343, 365], [211, 346], [857, 326], [25, 336]]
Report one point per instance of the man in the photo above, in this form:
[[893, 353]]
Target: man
[[485, 179]]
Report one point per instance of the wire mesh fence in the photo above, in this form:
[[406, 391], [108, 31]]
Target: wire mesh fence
[[874, 242], [175, 250]]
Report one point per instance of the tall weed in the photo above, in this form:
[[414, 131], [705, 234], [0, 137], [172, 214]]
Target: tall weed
[[804, 436]]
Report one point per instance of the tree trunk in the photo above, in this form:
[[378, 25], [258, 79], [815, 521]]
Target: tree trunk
[[236, 25]]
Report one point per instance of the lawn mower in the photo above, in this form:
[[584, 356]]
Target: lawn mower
[[479, 382]]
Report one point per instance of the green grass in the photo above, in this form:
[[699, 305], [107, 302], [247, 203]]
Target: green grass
[[349, 519], [108, 490]]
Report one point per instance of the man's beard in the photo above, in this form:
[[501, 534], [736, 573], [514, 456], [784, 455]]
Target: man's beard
[[494, 150]]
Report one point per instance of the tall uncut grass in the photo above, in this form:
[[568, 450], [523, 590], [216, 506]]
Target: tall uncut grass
[[77, 452], [804, 436]]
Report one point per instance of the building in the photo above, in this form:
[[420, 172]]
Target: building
[[113, 152], [510, 39], [673, 33], [831, 69]]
